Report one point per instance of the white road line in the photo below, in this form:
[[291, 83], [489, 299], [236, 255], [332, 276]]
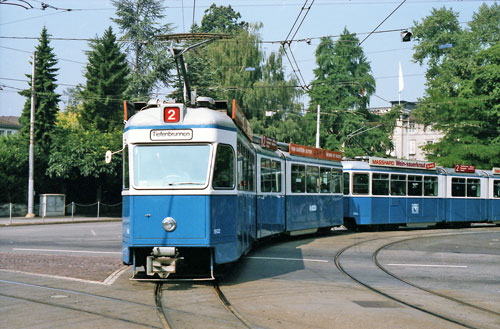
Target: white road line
[[428, 265], [54, 277], [295, 259], [74, 251]]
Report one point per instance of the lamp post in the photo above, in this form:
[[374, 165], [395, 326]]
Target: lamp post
[[317, 127], [31, 182]]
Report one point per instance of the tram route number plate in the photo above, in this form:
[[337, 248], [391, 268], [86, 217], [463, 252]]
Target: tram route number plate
[[171, 134]]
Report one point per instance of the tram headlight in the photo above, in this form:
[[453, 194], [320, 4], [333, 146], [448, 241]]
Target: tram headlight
[[169, 224]]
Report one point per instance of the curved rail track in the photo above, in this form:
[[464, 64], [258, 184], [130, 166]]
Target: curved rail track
[[167, 322], [402, 301]]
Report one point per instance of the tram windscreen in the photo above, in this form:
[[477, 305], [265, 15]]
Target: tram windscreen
[[171, 166]]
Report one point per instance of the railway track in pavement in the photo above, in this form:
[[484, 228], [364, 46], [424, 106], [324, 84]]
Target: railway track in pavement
[[394, 287], [196, 305]]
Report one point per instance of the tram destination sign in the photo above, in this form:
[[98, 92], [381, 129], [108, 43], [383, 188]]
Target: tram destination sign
[[496, 171], [399, 163], [268, 143], [465, 168], [171, 134], [312, 152]]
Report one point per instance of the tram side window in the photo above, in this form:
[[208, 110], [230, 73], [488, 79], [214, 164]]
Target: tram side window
[[347, 184], [496, 188], [266, 175], [326, 180], [473, 188], [380, 184], [458, 187], [298, 179], [360, 183], [126, 176], [398, 185], [224, 167], [430, 186], [312, 175], [246, 168], [336, 181], [414, 185], [276, 170]]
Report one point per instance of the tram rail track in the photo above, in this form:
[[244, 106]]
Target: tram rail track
[[421, 308], [74, 308], [167, 321]]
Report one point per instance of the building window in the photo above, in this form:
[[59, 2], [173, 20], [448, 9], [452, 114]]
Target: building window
[[412, 147]]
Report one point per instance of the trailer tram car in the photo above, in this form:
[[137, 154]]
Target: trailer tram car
[[199, 192], [391, 193]]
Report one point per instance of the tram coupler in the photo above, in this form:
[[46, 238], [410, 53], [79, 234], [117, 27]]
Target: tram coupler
[[163, 261]]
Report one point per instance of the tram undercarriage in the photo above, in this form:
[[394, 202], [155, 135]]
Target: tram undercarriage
[[171, 263]]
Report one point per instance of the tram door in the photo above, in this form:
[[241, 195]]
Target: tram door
[[270, 196]]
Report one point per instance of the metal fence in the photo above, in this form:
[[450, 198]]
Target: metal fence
[[97, 209]]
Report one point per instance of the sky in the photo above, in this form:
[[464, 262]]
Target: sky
[[20, 29]]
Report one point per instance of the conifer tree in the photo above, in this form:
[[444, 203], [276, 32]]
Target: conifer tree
[[107, 76], [46, 99], [342, 86]]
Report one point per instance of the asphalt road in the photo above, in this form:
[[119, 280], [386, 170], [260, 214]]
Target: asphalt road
[[286, 283], [96, 239]]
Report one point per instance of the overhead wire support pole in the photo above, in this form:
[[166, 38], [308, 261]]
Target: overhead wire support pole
[[31, 181]]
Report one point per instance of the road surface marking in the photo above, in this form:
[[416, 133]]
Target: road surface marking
[[296, 259], [428, 265], [75, 251]]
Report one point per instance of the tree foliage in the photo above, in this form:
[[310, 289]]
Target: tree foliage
[[342, 86], [14, 164], [239, 69], [46, 98], [462, 86], [107, 80], [221, 19], [150, 59]]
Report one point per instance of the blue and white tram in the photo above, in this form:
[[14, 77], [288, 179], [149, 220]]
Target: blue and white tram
[[198, 192], [182, 200], [494, 195], [393, 192]]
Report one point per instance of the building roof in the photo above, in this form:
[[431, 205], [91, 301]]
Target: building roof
[[10, 122]]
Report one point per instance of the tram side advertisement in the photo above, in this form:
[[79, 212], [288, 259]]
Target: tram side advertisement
[[398, 163]]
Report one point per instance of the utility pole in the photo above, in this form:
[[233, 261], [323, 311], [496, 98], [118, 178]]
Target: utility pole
[[31, 182], [317, 128]]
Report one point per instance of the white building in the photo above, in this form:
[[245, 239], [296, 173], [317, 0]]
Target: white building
[[408, 136], [9, 125]]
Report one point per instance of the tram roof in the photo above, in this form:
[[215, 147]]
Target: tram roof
[[364, 165], [152, 118]]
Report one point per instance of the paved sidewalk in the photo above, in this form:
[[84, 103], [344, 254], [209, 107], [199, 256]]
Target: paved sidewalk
[[18, 221]]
